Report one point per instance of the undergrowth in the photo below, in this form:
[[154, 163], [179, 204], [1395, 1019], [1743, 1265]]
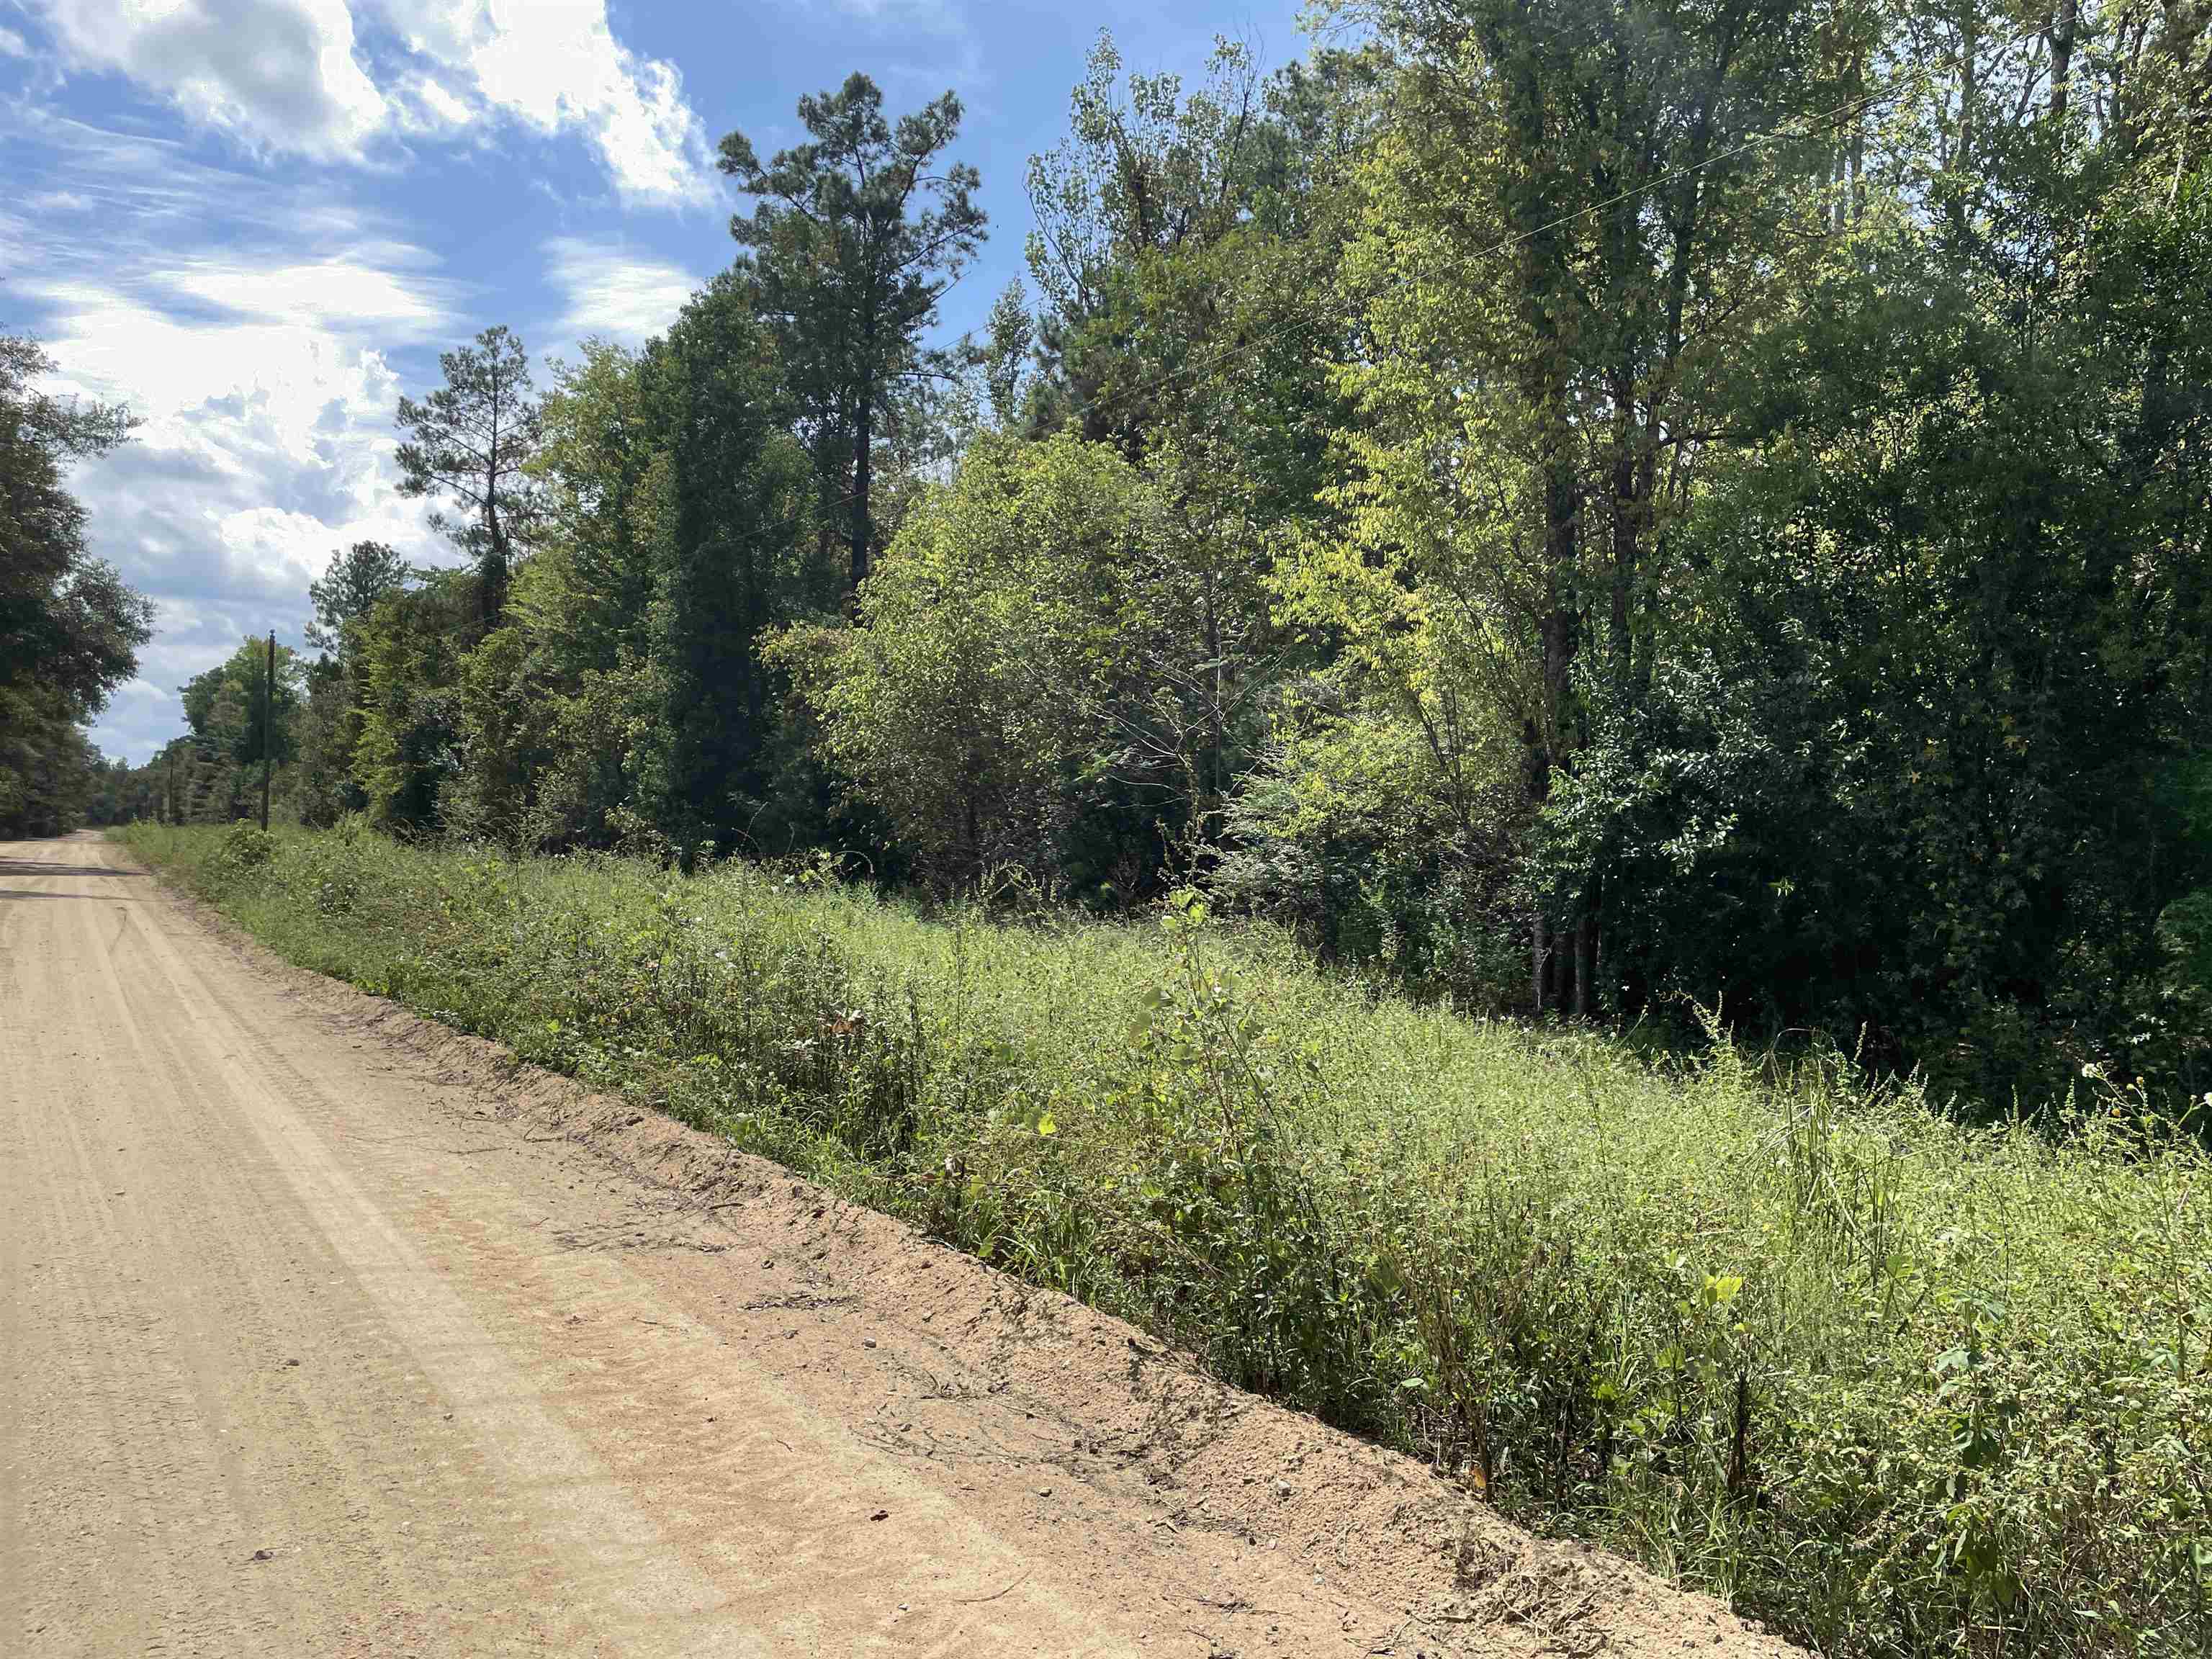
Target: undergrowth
[[1898, 1386]]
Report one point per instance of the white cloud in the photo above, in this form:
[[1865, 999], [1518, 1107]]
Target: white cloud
[[270, 545], [266, 442], [324, 291], [262, 446], [328, 80], [13, 45], [254, 322], [280, 75], [294, 361], [556, 63], [612, 293]]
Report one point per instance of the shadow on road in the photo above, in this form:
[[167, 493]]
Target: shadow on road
[[33, 867]]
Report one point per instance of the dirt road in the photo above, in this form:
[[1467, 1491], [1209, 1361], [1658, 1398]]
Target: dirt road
[[325, 1331]]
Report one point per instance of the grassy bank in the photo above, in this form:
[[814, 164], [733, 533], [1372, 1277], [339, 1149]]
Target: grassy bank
[[1898, 1387]]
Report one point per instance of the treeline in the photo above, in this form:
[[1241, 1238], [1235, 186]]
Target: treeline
[[1599, 510], [69, 629]]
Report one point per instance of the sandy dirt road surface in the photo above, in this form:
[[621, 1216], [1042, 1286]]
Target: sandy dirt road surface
[[323, 1330]]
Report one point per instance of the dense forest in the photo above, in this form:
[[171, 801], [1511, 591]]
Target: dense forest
[[1595, 511]]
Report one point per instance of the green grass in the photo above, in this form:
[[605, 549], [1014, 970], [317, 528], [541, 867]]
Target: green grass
[[1896, 1385]]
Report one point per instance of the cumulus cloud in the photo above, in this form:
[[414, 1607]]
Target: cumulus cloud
[[259, 321], [279, 75], [265, 445], [328, 80], [613, 293], [249, 330], [282, 339], [556, 64]]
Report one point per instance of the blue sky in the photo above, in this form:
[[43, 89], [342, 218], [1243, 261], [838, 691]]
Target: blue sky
[[258, 222]]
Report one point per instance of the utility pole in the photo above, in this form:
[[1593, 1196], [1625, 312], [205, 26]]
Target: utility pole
[[268, 728]]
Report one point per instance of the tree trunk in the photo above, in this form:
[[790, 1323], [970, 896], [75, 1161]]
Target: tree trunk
[[491, 575], [1630, 489], [825, 532], [864, 429], [863, 447], [1217, 734], [1858, 169], [2063, 29], [1962, 157]]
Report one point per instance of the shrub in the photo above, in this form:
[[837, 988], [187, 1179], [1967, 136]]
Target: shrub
[[245, 849]]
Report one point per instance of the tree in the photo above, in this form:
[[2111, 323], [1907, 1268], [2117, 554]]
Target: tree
[[1184, 249], [357, 577], [46, 762], [1931, 793], [344, 598], [1569, 236], [1819, 498], [235, 725], [554, 710], [469, 443], [625, 691], [853, 241], [736, 561], [972, 711], [1147, 176], [412, 663], [69, 628]]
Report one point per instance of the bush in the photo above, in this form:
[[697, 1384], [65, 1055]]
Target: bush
[[246, 848], [1898, 1385]]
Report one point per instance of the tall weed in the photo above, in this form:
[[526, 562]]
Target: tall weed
[[1900, 1386]]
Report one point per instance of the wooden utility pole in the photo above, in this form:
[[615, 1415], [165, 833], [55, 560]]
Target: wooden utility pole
[[268, 728]]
